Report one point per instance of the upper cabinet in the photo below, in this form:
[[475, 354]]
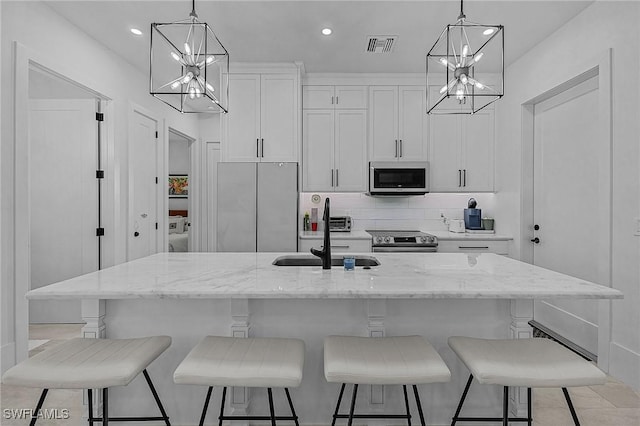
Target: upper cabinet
[[462, 152], [398, 123], [262, 123], [334, 97]]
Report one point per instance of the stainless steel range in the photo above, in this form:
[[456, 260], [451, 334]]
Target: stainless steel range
[[403, 241]]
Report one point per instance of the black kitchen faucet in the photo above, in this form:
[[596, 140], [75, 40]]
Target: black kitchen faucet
[[325, 253]]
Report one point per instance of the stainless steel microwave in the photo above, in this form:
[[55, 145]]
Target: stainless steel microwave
[[398, 178]]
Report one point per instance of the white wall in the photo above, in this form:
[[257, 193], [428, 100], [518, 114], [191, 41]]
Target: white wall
[[571, 50], [422, 213], [70, 51]]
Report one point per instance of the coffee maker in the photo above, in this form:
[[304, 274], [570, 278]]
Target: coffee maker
[[472, 215]]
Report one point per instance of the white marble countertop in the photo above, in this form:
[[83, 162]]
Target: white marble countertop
[[352, 235], [252, 276], [465, 236]]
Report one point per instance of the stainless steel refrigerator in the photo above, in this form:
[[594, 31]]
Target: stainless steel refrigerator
[[257, 207]]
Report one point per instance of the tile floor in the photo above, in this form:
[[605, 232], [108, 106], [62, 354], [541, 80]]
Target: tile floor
[[612, 404]]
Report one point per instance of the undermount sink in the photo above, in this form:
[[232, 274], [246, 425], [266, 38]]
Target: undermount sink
[[309, 260]]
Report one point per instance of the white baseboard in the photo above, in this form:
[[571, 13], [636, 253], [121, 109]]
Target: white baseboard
[[624, 365], [7, 356]]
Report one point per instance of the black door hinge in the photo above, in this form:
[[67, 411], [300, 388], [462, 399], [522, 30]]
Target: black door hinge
[[156, 180], [99, 232], [156, 134], [156, 225], [99, 174], [100, 116]]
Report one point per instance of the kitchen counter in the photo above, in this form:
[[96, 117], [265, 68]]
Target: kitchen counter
[[252, 275], [190, 295], [465, 236], [352, 235]]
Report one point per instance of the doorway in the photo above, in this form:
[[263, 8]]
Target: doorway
[[180, 231], [63, 189], [566, 223]]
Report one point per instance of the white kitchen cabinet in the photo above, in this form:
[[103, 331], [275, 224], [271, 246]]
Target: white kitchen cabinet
[[337, 245], [334, 150], [334, 97], [262, 123], [461, 156], [474, 246], [398, 124]]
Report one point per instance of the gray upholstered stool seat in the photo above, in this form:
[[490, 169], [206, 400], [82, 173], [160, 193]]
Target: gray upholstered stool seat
[[528, 363], [532, 363], [88, 363], [91, 364], [253, 362], [402, 360]]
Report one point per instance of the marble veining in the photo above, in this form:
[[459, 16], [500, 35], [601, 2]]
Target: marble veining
[[251, 275]]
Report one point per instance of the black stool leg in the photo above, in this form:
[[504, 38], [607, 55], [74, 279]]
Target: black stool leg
[[333, 423], [417, 397], [271, 409], [90, 398], [353, 404], [105, 406], [529, 408], [464, 396], [206, 406], [406, 404], [293, 411], [34, 416], [224, 398], [573, 411], [505, 406], [155, 396]]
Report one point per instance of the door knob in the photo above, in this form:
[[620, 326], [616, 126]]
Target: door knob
[[535, 240], [536, 227], [136, 234]]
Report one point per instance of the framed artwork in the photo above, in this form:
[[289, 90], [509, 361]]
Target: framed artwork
[[178, 186]]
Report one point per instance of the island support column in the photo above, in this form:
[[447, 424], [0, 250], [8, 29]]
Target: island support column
[[93, 312], [376, 313], [240, 327], [521, 314]]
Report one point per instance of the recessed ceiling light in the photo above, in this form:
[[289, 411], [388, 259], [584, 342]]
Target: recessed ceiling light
[[136, 31], [488, 31], [327, 31]]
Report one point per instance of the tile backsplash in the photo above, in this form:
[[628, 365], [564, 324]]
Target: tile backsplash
[[424, 213]]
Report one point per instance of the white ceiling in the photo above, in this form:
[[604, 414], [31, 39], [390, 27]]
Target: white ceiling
[[287, 31]]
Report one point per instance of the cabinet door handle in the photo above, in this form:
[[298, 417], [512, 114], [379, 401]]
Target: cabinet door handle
[[396, 148], [464, 177], [343, 247], [400, 147], [337, 175], [332, 178], [337, 100], [258, 147], [262, 147], [332, 100], [473, 247], [459, 178]]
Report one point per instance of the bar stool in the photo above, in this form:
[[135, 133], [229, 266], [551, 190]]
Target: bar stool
[[530, 363], [404, 360], [253, 362], [91, 364]]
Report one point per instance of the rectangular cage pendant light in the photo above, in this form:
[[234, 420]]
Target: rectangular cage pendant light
[[187, 63], [465, 68]]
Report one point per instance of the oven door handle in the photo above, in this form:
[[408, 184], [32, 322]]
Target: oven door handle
[[405, 249]]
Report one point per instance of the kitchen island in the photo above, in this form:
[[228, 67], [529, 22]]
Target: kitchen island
[[190, 295]]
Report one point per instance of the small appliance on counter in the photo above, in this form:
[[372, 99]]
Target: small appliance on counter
[[472, 216], [340, 224]]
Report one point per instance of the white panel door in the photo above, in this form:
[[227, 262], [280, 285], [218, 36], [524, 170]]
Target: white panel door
[[444, 154], [412, 121], [63, 198], [317, 97], [351, 97], [478, 155], [143, 214], [241, 126], [383, 119], [278, 118], [351, 150], [317, 150], [566, 182]]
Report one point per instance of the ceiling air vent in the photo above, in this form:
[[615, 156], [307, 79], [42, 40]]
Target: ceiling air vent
[[381, 43]]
